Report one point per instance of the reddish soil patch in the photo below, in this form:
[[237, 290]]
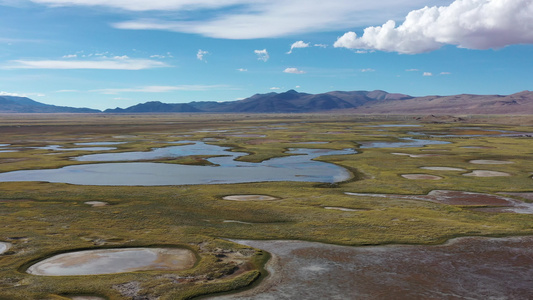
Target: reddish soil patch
[[502, 204]]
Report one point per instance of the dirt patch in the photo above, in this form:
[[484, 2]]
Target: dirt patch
[[341, 208], [96, 203], [443, 169], [490, 162], [421, 176], [465, 268], [250, 198], [86, 298], [486, 173]]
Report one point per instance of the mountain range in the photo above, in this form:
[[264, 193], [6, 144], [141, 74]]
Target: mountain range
[[366, 102], [13, 104]]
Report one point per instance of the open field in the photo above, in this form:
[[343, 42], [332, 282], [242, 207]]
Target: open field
[[42, 219]]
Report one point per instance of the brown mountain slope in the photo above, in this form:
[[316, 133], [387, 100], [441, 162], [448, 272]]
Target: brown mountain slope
[[519, 103]]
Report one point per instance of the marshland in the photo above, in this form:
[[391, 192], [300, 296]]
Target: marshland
[[355, 190]]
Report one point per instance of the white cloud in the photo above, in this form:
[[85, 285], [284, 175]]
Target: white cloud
[[367, 70], [445, 73], [2, 93], [293, 71], [262, 54], [102, 64], [160, 89], [427, 74], [298, 44], [70, 56], [200, 55], [250, 19], [412, 70], [472, 24], [321, 45], [242, 70], [275, 88]]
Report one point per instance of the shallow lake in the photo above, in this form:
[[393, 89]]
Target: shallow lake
[[298, 167], [109, 261], [408, 142]]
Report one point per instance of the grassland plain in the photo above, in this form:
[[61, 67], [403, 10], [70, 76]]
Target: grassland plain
[[41, 219]]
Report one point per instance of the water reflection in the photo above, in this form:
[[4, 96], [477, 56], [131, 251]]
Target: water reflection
[[409, 142], [298, 167]]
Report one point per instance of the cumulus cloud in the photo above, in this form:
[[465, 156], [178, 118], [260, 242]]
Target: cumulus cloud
[[262, 54], [249, 19], [472, 24], [293, 71], [298, 44], [102, 64], [200, 54]]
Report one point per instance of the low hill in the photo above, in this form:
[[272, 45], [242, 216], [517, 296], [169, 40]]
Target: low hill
[[155, 107], [519, 103], [13, 104]]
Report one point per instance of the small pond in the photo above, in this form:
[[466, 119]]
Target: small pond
[[4, 247], [99, 143], [61, 148], [298, 167], [408, 142], [110, 261]]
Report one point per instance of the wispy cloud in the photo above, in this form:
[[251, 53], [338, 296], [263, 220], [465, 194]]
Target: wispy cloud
[[160, 89], [262, 54], [472, 24], [367, 70], [117, 63], [275, 88], [250, 19], [427, 74], [200, 54], [445, 73], [298, 44], [242, 70], [2, 93], [412, 70], [293, 71]]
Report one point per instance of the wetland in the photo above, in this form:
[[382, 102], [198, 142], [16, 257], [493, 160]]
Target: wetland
[[234, 192]]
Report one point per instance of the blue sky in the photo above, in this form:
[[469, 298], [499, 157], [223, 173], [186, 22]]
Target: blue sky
[[117, 53]]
